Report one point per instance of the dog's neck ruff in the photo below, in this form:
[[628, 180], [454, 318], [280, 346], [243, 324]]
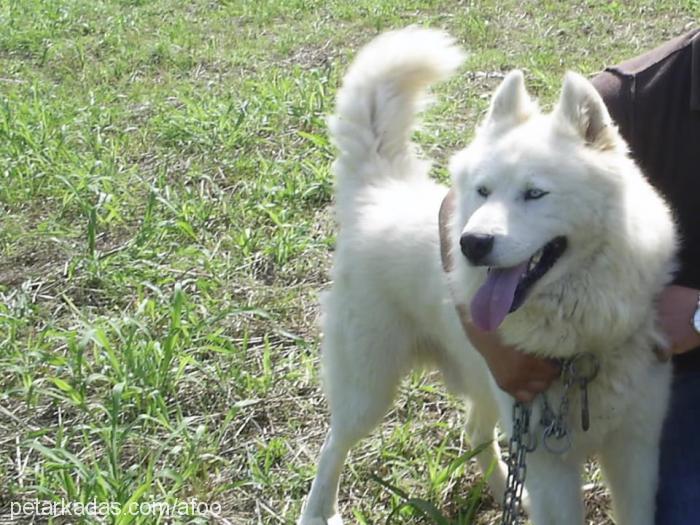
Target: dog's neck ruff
[[445, 217]]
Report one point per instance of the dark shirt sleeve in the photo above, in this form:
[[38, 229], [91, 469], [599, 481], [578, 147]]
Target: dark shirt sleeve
[[654, 99]]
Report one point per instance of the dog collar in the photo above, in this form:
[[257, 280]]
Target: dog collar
[[447, 208]]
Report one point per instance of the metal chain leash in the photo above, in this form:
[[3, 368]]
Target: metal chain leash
[[579, 370], [555, 436], [521, 442]]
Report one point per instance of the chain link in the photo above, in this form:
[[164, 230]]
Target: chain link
[[577, 371], [521, 441], [556, 438]]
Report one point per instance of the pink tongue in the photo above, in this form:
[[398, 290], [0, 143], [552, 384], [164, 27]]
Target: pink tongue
[[493, 300]]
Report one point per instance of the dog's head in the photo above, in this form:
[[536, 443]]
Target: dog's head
[[534, 193]]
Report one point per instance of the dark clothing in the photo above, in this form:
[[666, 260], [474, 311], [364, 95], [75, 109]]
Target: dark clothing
[[678, 496], [655, 101]]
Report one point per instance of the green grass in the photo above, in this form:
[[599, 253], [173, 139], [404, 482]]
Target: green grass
[[165, 228]]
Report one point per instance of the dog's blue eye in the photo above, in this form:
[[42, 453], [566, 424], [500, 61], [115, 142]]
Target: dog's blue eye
[[483, 191], [534, 193]]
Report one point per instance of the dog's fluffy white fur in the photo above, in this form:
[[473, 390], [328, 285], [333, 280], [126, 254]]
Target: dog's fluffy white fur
[[392, 307]]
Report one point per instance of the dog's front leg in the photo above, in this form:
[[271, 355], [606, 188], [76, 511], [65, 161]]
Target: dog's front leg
[[630, 463], [630, 455], [554, 486]]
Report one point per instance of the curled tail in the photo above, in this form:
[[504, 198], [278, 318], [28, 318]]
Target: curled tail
[[381, 94]]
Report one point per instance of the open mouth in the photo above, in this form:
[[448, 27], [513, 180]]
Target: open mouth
[[506, 289]]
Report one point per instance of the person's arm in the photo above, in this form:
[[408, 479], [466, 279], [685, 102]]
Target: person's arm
[[677, 306], [521, 375], [524, 376]]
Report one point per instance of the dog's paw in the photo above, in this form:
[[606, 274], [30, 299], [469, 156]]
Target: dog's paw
[[317, 520]]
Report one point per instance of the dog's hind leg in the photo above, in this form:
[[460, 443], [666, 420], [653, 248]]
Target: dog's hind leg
[[365, 353], [320, 508]]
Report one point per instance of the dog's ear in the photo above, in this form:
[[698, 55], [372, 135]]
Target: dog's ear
[[581, 109], [510, 104]]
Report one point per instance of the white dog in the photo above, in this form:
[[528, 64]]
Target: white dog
[[556, 240]]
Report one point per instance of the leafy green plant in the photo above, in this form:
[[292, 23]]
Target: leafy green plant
[[166, 227], [427, 509]]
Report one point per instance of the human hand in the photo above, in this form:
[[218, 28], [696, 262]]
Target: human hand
[[676, 307], [521, 375]]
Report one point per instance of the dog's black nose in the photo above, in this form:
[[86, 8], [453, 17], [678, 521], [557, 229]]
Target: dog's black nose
[[476, 246]]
